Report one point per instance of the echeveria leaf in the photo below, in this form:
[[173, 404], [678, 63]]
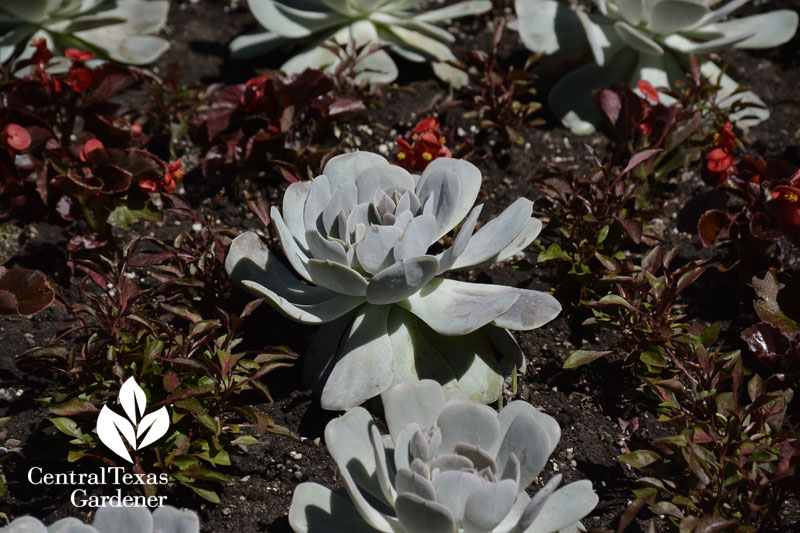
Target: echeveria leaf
[[401, 280], [487, 506], [317, 508], [452, 307], [566, 506], [419, 402], [467, 423], [422, 515], [358, 374]]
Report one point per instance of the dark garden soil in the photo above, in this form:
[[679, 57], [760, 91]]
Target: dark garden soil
[[587, 402]]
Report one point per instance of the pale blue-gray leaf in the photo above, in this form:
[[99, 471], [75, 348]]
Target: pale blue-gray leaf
[[323, 352], [380, 177], [449, 256], [349, 442], [123, 520], [296, 256], [294, 202], [450, 461], [468, 423], [518, 407], [401, 280], [766, 29], [316, 508], [523, 239], [567, 505], [419, 402], [668, 16], [341, 202], [250, 45], [529, 442], [408, 482], [402, 457], [531, 310], [535, 504], [632, 11], [364, 368], [468, 178], [65, 525], [496, 235], [637, 40], [419, 447], [548, 26], [383, 470], [453, 307], [487, 506], [453, 489], [254, 266], [414, 357], [479, 457], [171, 520], [374, 251], [421, 515], [288, 21], [417, 237], [360, 215], [337, 277], [318, 198], [325, 249], [315, 313], [344, 168], [461, 9], [25, 524]]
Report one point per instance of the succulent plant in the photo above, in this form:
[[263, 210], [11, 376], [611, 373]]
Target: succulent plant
[[364, 236], [398, 25], [447, 465], [632, 40], [165, 519], [122, 30]]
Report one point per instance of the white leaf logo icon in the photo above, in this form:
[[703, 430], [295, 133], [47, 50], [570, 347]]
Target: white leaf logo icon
[[111, 427]]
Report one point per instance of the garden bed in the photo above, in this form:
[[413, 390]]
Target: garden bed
[[588, 402]]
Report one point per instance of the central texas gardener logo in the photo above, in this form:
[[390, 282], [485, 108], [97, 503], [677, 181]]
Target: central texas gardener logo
[[137, 428]]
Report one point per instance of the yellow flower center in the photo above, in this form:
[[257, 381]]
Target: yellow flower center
[[790, 197], [414, 137], [427, 156], [401, 156]]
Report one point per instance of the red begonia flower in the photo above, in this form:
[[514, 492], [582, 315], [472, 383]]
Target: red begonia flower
[[427, 124], [16, 137], [90, 146], [648, 90], [147, 186], [74, 54], [80, 79]]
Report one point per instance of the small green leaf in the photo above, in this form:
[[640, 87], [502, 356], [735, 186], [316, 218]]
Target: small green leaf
[[123, 216], [246, 440], [755, 388], [72, 407], [582, 357], [639, 459], [206, 494], [68, 427], [603, 234], [653, 358], [615, 299], [75, 455], [553, 252]]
